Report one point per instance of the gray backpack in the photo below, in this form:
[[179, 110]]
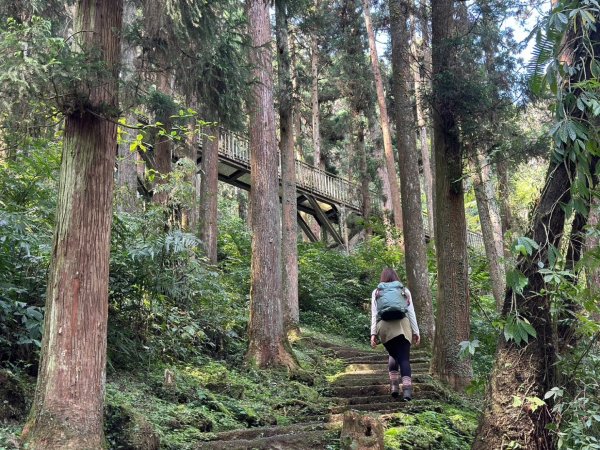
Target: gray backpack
[[392, 303]]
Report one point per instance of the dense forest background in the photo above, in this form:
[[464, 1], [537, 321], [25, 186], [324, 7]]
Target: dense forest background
[[148, 300]]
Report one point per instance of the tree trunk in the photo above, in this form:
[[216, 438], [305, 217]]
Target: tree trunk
[[163, 148], [209, 192], [126, 177], [492, 237], [67, 411], [506, 216], [314, 99], [424, 148], [385, 122], [408, 162], [289, 236], [316, 115], [531, 367], [453, 313], [189, 212], [242, 198], [268, 345], [360, 151], [296, 100]]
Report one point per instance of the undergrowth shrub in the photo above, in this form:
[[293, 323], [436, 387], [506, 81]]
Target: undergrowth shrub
[[27, 204], [166, 302]]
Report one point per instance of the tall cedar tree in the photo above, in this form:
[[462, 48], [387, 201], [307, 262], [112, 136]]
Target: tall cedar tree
[[289, 235], [408, 162], [67, 410], [390, 166], [268, 345], [532, 366], [453, 314]]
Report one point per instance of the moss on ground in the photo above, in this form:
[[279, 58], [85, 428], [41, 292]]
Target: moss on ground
[[444, 427], [175, 406]]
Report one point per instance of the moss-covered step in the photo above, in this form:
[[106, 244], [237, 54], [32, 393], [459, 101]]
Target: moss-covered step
[[381, 407], [302, 440], [339, 392]]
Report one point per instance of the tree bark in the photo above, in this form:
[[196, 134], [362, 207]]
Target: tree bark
[[314, 99], [67, 411], [209, 192], [189, 212], [453, 313], [268, 345], [360, 151], [163, 149], [492, 236], [408, 162], [289, 236], [506, 216], [385, 122]]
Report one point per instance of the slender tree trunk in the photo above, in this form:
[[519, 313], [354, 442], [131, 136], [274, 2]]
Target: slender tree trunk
[[424, 148], [268, 345], [189, 212], [493, 243], [209, 192], [163, 151], [296, 100], [289, 236], [126, 177], [453, 313], [242, 198], [506, 216], [385, 122], [316, 115], [67, 411], [360, 151], [408, 162]]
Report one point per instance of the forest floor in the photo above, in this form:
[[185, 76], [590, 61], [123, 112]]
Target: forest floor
[[216, 404]]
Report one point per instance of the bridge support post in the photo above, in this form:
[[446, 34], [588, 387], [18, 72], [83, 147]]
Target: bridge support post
[[324, 221], [306, 228]]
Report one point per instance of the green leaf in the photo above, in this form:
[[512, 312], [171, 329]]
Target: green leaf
[[516, 280], [535, 402], [517, 401]]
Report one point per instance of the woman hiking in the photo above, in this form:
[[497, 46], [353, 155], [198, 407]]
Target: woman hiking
[[393, 321]]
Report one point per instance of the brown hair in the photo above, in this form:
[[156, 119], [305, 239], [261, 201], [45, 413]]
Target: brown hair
[[388, 275]]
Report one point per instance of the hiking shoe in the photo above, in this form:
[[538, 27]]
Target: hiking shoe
[[407, 394], [395, 387]]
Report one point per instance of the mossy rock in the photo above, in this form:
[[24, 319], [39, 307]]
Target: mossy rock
[[128, 430], [15, 396]]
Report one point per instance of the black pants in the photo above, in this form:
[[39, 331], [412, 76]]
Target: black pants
[[399, 351]]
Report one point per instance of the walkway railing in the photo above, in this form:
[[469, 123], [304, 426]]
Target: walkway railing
[[312, 179], [338, 190]]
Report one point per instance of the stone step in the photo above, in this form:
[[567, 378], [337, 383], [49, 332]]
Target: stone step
[[370, 379], [263, 432], [383, 362], [378, 357], [341, 392], [293, 441], [384, 398], [365, 369], [382, 407]]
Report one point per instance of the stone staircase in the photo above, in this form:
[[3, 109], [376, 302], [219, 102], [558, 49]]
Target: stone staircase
[[362, 386]]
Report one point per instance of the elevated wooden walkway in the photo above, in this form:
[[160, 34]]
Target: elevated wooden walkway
[[327, 197]]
